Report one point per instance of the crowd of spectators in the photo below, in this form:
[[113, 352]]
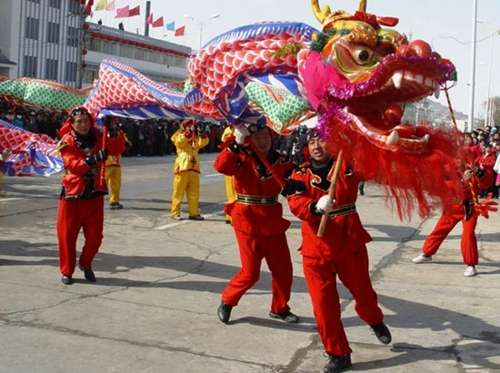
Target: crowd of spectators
[[486, 143], [145, 138]]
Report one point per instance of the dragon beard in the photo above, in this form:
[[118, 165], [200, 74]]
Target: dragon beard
[[416, 181]]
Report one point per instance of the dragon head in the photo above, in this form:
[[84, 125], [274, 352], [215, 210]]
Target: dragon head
[[369, 72], [358, 74]]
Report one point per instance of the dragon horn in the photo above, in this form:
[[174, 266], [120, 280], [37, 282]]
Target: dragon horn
[[320, 13], [362, 6]]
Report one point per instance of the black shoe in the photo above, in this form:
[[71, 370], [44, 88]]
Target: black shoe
[[338, 364], [66, 280], [196, 217], [224, 312], [383, 333], [115, 206], [89, 274], [286, 316]]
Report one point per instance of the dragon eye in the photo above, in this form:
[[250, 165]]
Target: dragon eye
[[363, 56]]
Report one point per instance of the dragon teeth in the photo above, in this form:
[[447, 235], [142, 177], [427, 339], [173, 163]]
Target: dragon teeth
[[393, 138], [397, 78]]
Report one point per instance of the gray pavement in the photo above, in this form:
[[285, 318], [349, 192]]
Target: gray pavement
[[153, 308]]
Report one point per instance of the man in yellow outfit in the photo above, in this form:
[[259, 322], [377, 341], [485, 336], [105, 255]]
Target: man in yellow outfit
[[113, 173], [187, 169], [229, 180]]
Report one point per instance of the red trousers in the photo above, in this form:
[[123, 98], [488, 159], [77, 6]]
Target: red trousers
[[445, 225], [274, 249], [351, 266], [72, 216]]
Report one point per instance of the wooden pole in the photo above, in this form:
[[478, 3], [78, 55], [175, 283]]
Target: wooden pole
[[452, 112], [331, 191]]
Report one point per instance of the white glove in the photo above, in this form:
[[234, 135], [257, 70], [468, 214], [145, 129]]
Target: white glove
[[325, 205], [240, 134], [468, 175]]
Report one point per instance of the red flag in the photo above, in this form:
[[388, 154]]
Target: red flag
[[158, 22], [149, 20], [135, 11], [180, 31], [122, 12], [88, 7]]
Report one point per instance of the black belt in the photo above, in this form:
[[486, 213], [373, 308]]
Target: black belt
[[256, 200], [343, 210]]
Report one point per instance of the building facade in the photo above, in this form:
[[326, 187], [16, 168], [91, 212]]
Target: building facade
[[157, 59], [42, 39], [48, 39]]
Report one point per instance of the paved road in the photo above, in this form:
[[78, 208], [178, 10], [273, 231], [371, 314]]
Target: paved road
[[153, 308]]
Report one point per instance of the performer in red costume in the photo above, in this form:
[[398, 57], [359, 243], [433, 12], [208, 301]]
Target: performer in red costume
[[465, 210], [340, 252], [82, 204], [258, 222]]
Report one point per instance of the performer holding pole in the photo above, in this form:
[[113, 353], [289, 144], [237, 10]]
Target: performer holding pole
[[339, 251], [466, 210], [257, 219], [81, 206]]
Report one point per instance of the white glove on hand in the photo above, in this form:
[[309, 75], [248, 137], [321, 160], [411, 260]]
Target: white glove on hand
[[468, 175], [325, 205], [240, 134]]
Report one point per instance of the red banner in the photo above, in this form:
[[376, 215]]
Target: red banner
[[180, 31]]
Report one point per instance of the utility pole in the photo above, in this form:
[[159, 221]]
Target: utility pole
[[146, 24], [470, 124]]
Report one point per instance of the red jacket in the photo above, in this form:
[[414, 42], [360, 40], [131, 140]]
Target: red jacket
[[342, 232], [80, 179], [472, 153], [262, 220]]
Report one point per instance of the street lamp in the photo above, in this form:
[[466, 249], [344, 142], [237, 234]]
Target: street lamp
[[201, 24]]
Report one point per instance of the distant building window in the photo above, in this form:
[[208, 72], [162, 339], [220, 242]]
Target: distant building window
[[35, 1], [109, 47], [73, 37], [53, 33], [74, 6], [30, 66], [126, 51], [55, 4], [51, 69], [70, 75], [168, 59], [139, 54], [89, 76], [32, 27], [95, 45]]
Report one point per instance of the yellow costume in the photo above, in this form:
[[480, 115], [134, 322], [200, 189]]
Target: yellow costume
[[186, 172], [114, 178], [229, 180], [113, 175]]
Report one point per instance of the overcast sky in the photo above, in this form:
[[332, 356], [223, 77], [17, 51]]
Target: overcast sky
[[446, 24]]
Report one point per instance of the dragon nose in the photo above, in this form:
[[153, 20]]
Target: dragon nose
[[418, 48], [421, 48]]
